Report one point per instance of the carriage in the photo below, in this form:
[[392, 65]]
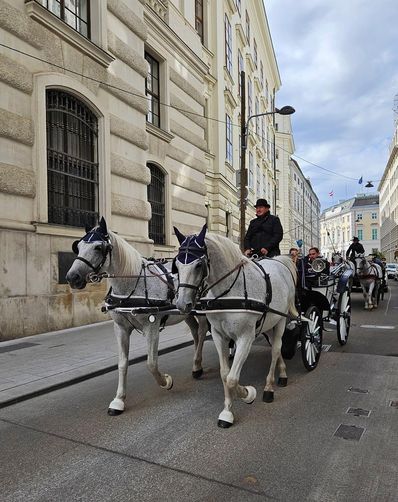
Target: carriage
[[325, 305]]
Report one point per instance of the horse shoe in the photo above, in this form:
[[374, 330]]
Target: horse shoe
[[225, 419], [251, 394]]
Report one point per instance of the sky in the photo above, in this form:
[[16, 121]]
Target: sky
[[338, 62]]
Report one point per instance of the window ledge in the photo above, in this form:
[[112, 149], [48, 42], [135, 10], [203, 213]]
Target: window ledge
[[59, 230], [159, 133], [53, 23]]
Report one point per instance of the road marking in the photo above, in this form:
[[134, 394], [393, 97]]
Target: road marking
[[376, 326]]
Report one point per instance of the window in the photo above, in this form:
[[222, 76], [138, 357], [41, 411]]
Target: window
[[237, 3], [75, 13], [374, 216], [228, 139], [72, 161], [240, 69], [247, 28], [228, 45], [258, 181], [374, 234], [249, 98], [156, 198], [360, 235], [261, 74], [359, 216], [199, 18], [257, 111], [263, 138], [251, 171], [152, 91], [255, 52]]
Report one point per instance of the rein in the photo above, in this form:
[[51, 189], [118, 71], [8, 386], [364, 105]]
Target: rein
[[240, 265]]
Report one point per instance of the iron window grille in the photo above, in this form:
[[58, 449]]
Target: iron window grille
[[72, 161], [75, 13], [152, 91], [156, 198]]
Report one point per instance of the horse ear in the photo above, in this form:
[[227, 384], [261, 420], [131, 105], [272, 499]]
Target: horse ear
[[201, 237], [102, 225], [181, 238]]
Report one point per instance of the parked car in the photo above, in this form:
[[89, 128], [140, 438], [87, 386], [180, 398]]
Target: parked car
[[391, 270]]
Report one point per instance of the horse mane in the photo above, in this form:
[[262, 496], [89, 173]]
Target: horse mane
[[218, 244], [129, 258]]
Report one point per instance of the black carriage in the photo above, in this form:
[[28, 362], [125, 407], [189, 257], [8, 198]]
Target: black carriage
[[324, 300]]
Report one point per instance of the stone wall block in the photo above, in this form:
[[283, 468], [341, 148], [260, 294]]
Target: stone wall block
[[127, 55], [134, 208], [96, 72], [129, 18], [186, 159], [188, 183], [130, 133], [131, 170], [184, 85], [11, 319], [126, 93], [35, 314], [87, 308], [15, 75], [15, 21], [190, 113], [189, 207], [188, 135], [12, 264], [38, 267], [60, 312], [16, 127], [17, 180]]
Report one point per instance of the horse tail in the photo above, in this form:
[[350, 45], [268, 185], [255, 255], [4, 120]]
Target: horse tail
[[293, 309]]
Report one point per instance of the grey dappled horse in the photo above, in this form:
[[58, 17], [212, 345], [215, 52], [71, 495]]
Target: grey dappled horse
[[140, 281], [370, 276], [218, 263]]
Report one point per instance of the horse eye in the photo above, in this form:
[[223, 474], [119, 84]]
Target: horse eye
[[198, 266], [98, 248]]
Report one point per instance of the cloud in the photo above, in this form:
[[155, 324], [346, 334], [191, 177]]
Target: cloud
[[339, 67]]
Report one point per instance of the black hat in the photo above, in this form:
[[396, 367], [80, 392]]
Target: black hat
[[355, 239], [261, 202]]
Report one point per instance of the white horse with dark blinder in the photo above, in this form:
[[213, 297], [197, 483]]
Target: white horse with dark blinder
[[137, 282], [231, 278], [370, 276]]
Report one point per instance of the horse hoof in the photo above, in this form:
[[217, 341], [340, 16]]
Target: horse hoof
[[223, 424], [282, 381], [169, 382], [268, 396], [197, 374], [251, 395], [225, 419], [116, 407], [114, 413]]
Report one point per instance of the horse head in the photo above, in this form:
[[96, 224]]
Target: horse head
[[191, 265], [93, 250]]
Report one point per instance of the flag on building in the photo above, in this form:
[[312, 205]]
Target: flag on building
[[360, 181], [331, 193]]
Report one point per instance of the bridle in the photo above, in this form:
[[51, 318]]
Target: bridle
[[189, 252], [106, 248]]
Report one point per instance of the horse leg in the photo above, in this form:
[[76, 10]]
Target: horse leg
[[370, 295], [365, 295], [226, 418], [198, 331], [268, 395], [117, 406], [151, 331]]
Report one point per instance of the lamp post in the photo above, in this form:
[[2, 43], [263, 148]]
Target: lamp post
[[285, 110]]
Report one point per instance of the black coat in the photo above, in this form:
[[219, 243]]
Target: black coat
[[356, 247], [264, 232]]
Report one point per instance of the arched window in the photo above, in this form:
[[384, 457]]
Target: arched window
[[156, 198], [72, 160]]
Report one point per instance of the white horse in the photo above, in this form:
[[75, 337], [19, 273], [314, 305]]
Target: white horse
[[370, 276], [231, 278], [139, 282]]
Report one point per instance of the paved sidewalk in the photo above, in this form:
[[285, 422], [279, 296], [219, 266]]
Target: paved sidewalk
[[37, 364]]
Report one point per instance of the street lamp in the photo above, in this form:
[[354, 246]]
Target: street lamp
[[285, 110]]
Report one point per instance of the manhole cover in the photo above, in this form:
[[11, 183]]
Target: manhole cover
[[358, 391], [358, 412], [351, 432]]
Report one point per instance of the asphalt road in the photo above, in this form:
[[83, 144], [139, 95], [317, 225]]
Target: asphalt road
[[167, 446]]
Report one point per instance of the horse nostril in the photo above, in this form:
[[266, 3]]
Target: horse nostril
[[72, 277], [188, 308]]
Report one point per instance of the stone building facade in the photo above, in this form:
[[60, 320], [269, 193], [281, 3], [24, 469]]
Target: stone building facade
[[99, 115]]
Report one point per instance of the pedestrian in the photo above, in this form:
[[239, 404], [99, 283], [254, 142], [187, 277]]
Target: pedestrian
[[264, 234], [355, 248], [293, 253]]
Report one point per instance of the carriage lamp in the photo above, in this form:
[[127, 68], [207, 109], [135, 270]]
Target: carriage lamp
[[151, 318]]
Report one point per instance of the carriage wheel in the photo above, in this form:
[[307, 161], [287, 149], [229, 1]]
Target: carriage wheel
[[311, 338], [343, 315]]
